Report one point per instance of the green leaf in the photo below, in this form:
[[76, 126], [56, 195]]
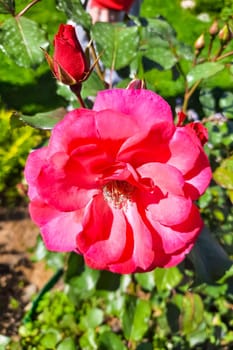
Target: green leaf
[[191, 311], [226, 104], [163, 83], [67, 344], [162, 56], [155, 43], [81, 287], [157, 28], [7, 6], [117, 43], [203, 71], [192, 314], [88, 340], [110, 341], [93, 318], [108, 281], [75, 266], [50, 339], [215, 291], [74, 10], [21, 39], [146, 280], [208, 101], [92, 85], [228, 274], [209, 258], [45, 121], [230, 195], [223, 175], [189, 318], [115, 306], [135, 318], [167, 279]]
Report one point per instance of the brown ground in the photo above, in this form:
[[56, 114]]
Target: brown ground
[[20, 279]]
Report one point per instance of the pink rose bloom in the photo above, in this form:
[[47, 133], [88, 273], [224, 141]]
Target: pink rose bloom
[[117, 184]]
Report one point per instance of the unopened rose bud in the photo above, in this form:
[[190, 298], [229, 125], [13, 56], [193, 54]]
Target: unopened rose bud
[[136, 84], [69, 63], [225, 34], [214, 28], [200, 43]]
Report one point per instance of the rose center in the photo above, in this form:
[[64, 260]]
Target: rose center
[[118, 193]]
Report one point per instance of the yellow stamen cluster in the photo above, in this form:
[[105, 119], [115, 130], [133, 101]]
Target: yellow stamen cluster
[[118, 193]]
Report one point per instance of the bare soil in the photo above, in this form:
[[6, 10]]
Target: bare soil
[[20, 278]]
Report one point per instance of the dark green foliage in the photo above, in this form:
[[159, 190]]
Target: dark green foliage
[[165, 313]]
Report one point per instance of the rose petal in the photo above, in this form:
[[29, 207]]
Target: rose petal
[[179, 238], [143, 254], [56, 189], [32, 169], [84, 127], [77, 128], [198, 179], [184, 151], [58, 229], [147, 247], [144, 107], [103, 238], [138, 148], [164, 176], [121, 127], [167, 210]]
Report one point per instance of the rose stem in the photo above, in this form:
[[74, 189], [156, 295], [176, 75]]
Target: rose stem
[[21, 13]]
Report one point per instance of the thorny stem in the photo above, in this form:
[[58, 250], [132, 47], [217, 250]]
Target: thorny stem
[[218, 54], [80, 99], [195, 58], [21, 13], [188, 94], [77, 91], [210, 46], [224, 56], [178, 66]]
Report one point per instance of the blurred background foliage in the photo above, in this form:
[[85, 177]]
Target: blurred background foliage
[[186, 307]]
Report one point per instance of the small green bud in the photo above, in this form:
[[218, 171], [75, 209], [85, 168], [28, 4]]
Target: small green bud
[[214, 28], [225, 34], [200, 43]]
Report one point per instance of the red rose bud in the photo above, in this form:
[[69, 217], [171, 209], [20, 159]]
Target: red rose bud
[[69, 64]]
